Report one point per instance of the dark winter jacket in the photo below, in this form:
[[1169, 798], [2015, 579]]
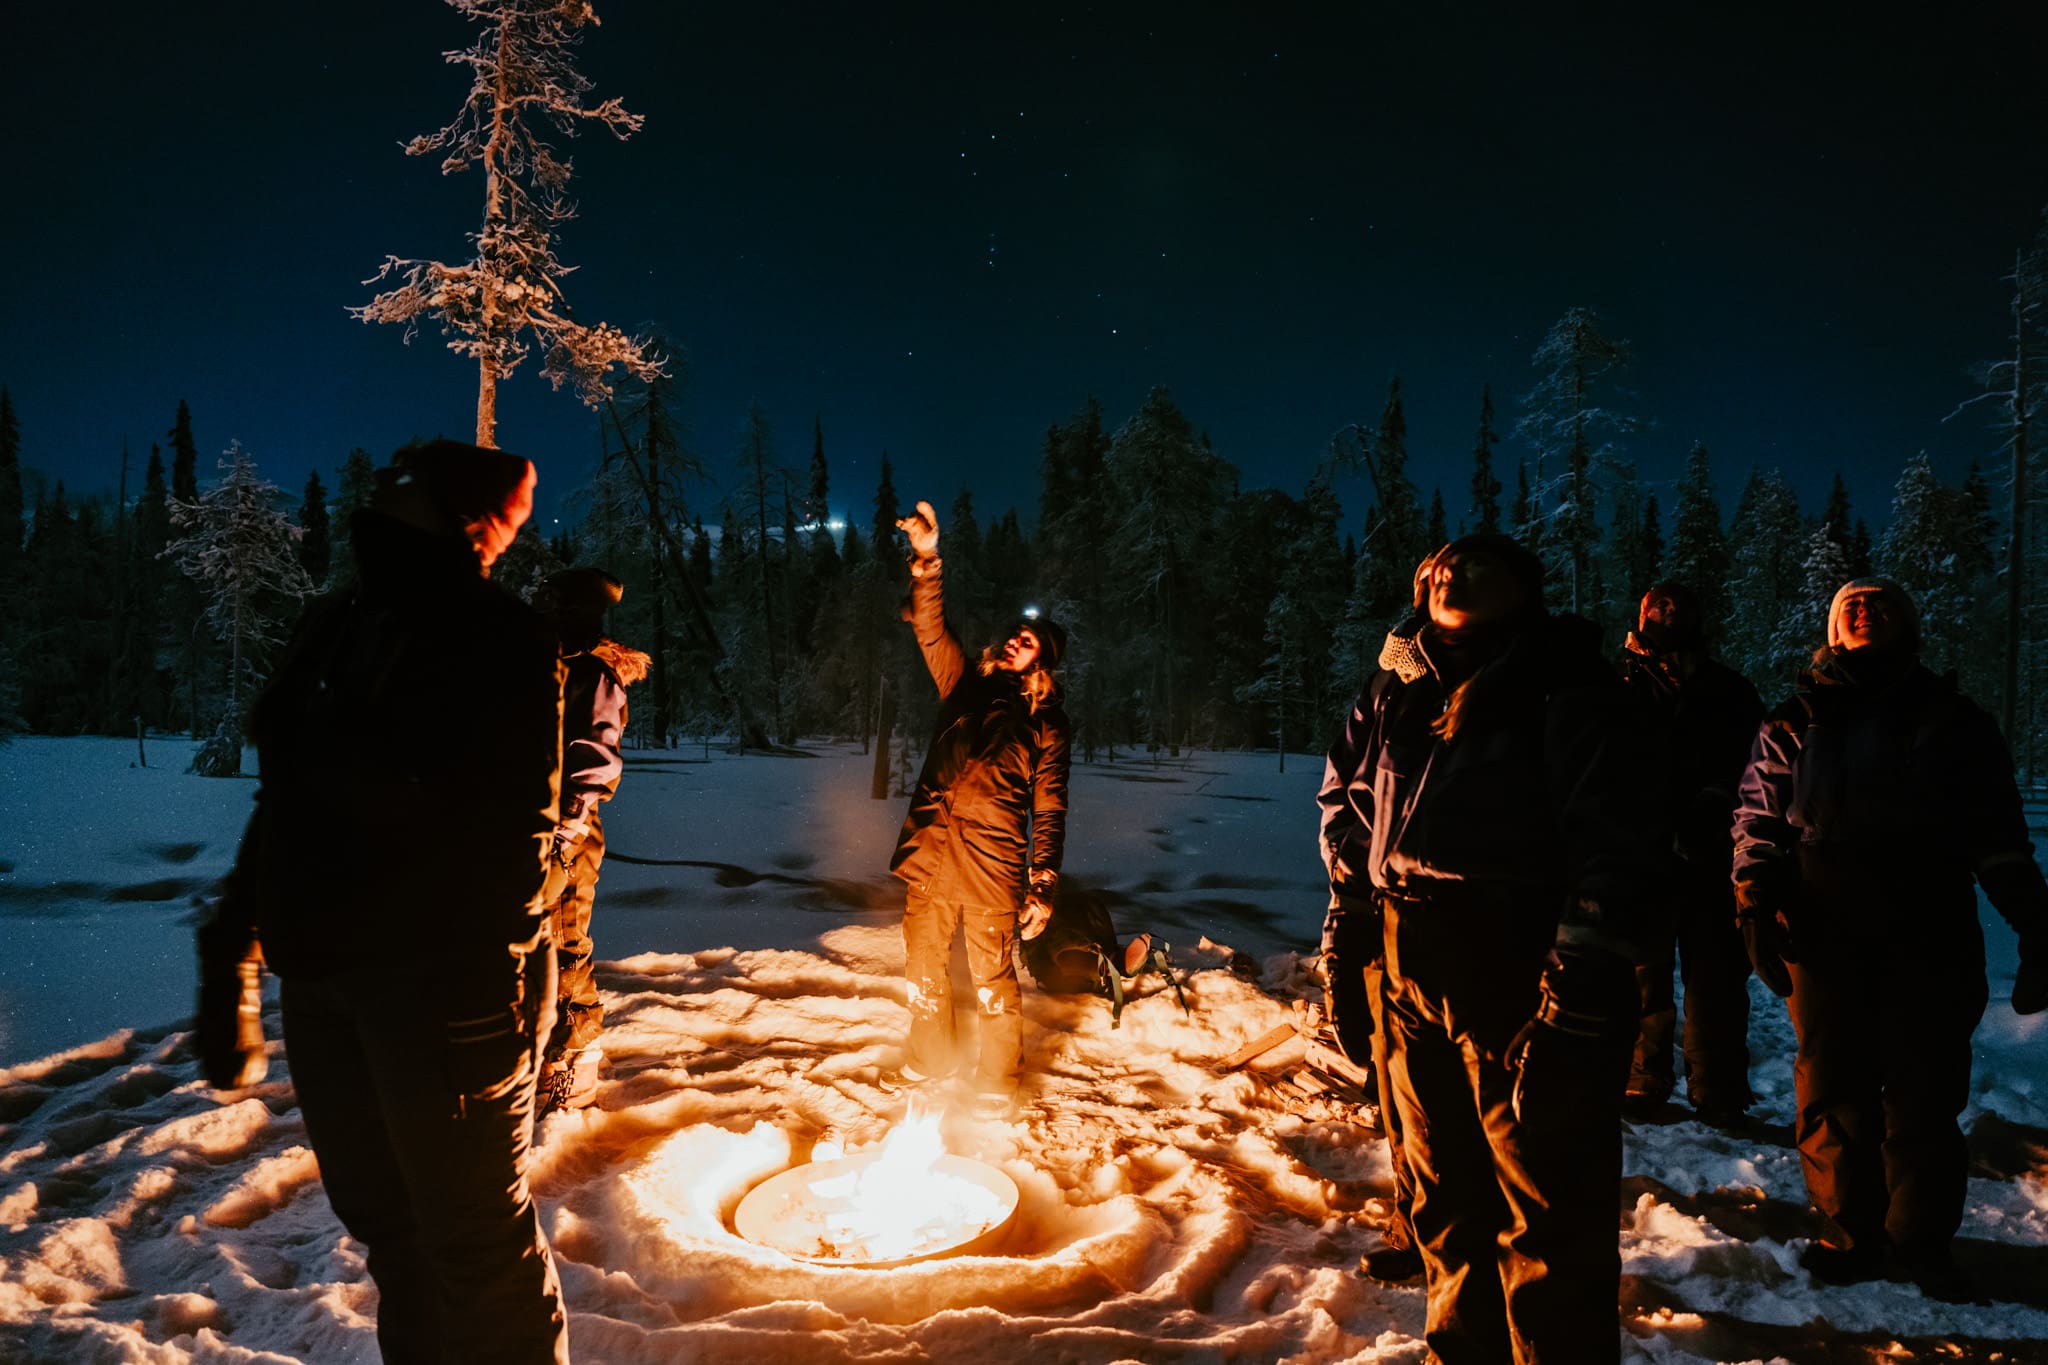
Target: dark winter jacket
[[991, 802], [410, 742], [1708, 715], [1532, 809], [593, 722], [1888, 765]]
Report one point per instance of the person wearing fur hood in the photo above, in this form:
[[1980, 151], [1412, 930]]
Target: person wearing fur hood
[[1485, 794], [1873, 797], [597, 673]]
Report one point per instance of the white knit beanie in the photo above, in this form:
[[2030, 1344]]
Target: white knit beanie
[[1895, 597]]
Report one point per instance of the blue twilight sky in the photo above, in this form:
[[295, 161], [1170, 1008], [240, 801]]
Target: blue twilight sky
[[938, 228]]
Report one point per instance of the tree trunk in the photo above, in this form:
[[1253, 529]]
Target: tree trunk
[[2015, 550], [885, 726], [486, 402]]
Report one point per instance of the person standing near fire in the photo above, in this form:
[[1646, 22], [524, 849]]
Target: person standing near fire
[[1708, 714], [1874, 797], [599, 671], [410, 740], [1501, 828], [980, 849]]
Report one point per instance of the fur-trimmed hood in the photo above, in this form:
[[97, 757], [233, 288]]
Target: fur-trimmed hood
[[630, 664]]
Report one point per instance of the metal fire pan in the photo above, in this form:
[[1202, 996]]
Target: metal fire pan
[[762, 1215]]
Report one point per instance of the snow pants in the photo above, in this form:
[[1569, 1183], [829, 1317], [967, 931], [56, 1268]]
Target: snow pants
[[579, 1012], [929, 923], [1515, 1218], [1354, 967], [1714, 966], [1888, 989], [1399, 1231], [437, 1197]]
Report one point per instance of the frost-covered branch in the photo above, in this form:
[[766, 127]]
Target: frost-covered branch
[[522, 83]]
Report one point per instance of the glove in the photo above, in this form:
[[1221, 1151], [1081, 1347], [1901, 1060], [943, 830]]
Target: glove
[[1036, 915], [559, 854], [1767, 937], [1587, 996], [228, 1025], [2030, 983]]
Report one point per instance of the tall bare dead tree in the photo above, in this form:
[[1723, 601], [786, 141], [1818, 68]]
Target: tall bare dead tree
[[522, 85]]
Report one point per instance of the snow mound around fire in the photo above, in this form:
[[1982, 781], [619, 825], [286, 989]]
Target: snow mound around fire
[[1168, 1210]]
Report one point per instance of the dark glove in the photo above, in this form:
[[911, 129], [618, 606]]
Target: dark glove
[[1767, 936], [228, 1026], [1588, 1000], [2030, 983]]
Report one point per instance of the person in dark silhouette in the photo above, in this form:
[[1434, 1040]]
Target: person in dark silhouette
[[599, 671], [392, 873], [1502, 831], [1873, 797], [1708, 714]]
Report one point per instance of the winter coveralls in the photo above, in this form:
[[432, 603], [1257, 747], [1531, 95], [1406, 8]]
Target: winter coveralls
[[987, 822], [1709, 714], [1512, 863], [593, 721], [1354, 957], [1871, 799], [393, 869]]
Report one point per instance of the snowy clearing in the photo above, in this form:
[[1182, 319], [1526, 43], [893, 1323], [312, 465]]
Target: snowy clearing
[[752, 973]]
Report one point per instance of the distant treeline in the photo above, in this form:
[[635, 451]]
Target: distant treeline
[[1201, 613]]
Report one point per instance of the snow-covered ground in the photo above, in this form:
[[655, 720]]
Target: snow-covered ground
[[1169, 1211]]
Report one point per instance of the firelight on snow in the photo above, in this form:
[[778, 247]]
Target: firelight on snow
[[906, 1200]]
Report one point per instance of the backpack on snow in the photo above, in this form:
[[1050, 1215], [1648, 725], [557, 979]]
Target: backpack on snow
[[1077, 954]]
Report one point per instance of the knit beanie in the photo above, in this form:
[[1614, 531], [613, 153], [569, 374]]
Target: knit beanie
[[585, 592], [468, 484], [1052, 639], [1514, 559], [1895, 597]]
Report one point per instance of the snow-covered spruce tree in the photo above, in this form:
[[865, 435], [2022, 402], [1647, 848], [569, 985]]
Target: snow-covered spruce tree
[[1278, 684], [1570, 419], [1633, 548], [353, 485], [1394, 529], [1803, 625], [1170, 486], [522, 83], [1697, 554], [316, 546], [242, 552], [1767, 548], [1938, 551]]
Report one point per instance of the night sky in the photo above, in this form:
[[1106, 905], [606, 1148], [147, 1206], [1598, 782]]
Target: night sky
[[939, 229]]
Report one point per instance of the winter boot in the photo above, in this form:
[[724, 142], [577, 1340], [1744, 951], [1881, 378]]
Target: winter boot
[[1938, 1276], [903, 1080], [1830, 1264], [1391, 1265], [583, 1068], [569, 1082]]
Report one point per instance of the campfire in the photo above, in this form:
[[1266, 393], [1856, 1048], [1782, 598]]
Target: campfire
[[906, 1200]]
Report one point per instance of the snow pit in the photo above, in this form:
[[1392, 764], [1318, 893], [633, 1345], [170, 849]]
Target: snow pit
[[668, 1223]]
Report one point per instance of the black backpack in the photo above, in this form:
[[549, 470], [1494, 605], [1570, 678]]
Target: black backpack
[[1077, 954]]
